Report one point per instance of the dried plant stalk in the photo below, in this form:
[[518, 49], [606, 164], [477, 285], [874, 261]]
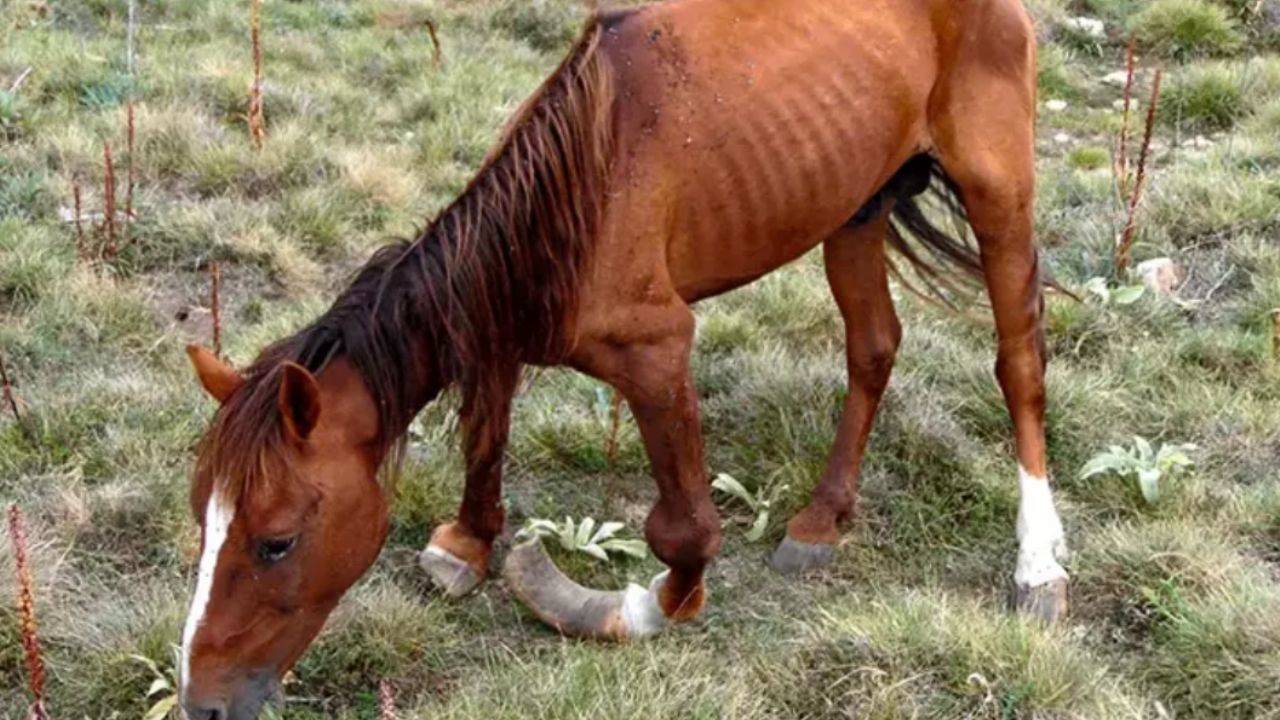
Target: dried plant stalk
[[437, 55], [215, 306], [27, 614], [7, 389], [1121, 170], [1275, 333], [386, 701], [257, 126], [110, 248], [1125, 245], [615, 422], [129, 172], [82, 247]]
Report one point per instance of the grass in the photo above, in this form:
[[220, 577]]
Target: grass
[[1187, 28], [1176, 605]]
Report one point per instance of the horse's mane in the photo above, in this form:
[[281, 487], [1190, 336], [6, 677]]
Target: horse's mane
[[490, 283]]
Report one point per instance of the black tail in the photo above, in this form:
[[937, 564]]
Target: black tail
[[945, 262]]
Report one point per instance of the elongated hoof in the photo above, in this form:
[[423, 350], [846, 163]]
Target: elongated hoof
[[451, 574], [577, 611], [1046, 602], [796, 558]]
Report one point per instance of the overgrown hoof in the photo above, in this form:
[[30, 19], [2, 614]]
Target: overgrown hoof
[[1046, 602], [449, 573], [796, 558]]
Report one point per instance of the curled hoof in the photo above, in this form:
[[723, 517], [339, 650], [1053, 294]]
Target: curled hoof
[[577, 611], [454, 576], [1046, 602], [795, 558]]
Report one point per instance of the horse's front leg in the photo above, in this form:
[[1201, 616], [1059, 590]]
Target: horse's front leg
[[457, 557], [649, 363]]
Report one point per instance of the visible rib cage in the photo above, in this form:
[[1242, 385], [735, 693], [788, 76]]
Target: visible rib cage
[[492, 281]]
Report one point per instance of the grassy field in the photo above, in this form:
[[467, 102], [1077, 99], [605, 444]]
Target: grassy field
[[1176, 603]]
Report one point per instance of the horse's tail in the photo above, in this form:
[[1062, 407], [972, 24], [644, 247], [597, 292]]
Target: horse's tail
[[929, 229]]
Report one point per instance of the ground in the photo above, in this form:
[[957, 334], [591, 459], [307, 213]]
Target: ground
[[1176, 603]]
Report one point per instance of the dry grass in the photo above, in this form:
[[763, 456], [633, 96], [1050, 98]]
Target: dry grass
[[1176, 604]]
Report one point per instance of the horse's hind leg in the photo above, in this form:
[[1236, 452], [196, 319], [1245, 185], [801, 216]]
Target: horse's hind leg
[[982, 126], [457, 557], [858, 275]]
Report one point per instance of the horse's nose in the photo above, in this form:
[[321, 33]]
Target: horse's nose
[[205, 711]]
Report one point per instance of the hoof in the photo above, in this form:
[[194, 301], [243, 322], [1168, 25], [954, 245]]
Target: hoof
[[795, 558], [1046, 602], [451, 574]]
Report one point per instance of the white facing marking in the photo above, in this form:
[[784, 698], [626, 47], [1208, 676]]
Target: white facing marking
[[641, 613], [1041, 543], [218, 514]]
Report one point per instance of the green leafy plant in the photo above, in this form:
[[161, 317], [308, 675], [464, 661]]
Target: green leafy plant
[[585, 537], [163, 691], [1148, 465], [759, 504], [1107, 294]]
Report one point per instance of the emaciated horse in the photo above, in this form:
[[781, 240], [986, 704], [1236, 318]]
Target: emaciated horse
[[680, 151]]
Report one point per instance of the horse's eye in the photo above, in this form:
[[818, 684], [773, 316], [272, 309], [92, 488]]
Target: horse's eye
[[274, 549]]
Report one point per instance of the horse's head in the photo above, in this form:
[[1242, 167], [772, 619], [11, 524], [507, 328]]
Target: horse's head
[[292, 515]]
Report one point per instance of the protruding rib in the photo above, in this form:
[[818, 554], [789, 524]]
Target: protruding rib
[[577, 611]]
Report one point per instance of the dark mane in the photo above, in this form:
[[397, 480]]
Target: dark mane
[[492, 282]]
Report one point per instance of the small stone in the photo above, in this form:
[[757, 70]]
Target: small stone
[[1161, 275], [1118, 104], [1056, 105], [1062, 138], [1091, 27], [1117, 78]]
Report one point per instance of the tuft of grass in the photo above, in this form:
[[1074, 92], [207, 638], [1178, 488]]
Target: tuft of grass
[[1206, 97], [1089, 157], [1183, 29], [930, 655]]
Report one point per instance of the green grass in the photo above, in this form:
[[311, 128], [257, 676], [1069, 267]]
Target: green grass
[[1176, 604], [1186, 28]]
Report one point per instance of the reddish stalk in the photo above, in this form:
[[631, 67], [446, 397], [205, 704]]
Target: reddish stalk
[[82, 248], [1275, 333], [615, 421], [437, 55], [109, 203], [128, 192], [215, 305], [7, 389], [1125, 246], [386, 701], [257, 126], [27, 614], [1122, 151]]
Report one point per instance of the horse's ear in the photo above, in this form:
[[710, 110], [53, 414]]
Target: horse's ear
[[299, 400], [218, 378]]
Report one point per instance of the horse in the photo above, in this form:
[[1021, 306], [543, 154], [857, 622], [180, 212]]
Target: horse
[[680, 150]]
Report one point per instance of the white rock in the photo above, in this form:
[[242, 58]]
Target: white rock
[[1160, 275], [1062, 138], [1117, 78], [1056, 105], [1118, 104], [1088, 26]]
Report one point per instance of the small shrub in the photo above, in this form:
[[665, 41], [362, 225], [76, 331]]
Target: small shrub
[[1147, 465], [1186, 28], [1089, 157], [1206, 97]]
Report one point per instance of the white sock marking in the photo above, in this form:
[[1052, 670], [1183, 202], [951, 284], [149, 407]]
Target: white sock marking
[[1041, 543], [218, 514], [641, 613]]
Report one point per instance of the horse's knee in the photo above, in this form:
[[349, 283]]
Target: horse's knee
[[684, 537]]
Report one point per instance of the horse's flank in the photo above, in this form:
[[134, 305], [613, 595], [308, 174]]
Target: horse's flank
[[490, 284]]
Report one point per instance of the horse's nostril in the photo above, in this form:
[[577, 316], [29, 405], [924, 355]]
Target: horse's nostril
[[206, 713]]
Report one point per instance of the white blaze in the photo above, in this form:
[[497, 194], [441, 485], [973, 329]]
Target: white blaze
[[1041, 543], [218, 514]]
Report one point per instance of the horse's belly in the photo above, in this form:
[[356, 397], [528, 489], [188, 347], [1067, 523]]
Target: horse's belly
[[771, 123]]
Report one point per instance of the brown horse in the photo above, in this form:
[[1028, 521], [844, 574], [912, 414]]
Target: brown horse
[[680, 151]]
